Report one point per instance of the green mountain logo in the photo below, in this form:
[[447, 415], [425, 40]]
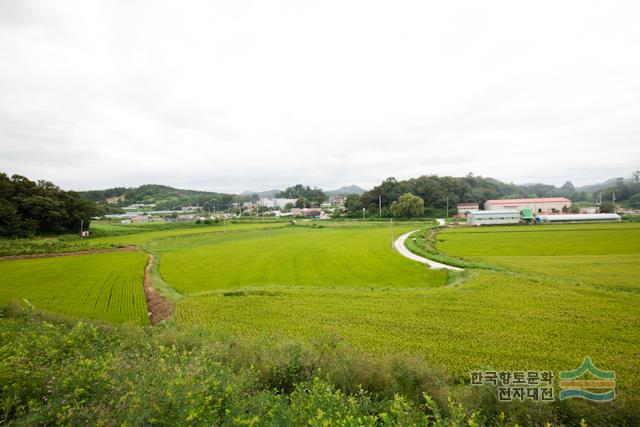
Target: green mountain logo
[[588, 382]]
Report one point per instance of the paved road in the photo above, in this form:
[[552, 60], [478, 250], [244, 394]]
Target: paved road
[[399, 245]]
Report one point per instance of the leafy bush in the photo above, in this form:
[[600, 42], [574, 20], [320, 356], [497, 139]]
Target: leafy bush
[[55, 371]]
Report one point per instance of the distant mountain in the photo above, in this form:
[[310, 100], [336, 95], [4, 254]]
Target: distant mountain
[[268, 194], [349, 189], [600, 186], [162, 196]]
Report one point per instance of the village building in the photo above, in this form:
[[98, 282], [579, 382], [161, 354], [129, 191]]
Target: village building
[[465, 208], [537, 205]]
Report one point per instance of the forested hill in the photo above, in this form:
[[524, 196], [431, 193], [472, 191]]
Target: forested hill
[[164, 197], [435, 190], [28, 208]]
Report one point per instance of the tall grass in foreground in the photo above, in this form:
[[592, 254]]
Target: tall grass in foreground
[[55, 371]]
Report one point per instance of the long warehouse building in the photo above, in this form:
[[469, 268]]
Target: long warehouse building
[[538, 206], [493, 217]]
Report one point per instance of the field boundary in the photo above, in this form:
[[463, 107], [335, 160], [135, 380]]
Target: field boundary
[[430, 252], [159, 308], [399, 244], [72, 253]]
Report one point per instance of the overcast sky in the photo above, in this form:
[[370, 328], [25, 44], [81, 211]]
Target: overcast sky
[[239, 95]]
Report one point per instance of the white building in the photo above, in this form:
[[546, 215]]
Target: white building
[[540, 205], [276, 203], [493, 217], [579, 218]]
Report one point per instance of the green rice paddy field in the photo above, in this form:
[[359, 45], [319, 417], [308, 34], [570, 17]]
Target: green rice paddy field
[[543, 314], [567, 291], [104, 286]]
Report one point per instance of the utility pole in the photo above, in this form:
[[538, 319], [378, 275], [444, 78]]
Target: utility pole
[[447, 206], [614, 202], [81, 227], [391, 233], [380, 204]]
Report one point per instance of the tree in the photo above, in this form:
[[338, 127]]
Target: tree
[[353, 204], [634, 201], [636, 177], [310, 195], [607, 206], [28, 208], [408, 205], [567, 189]]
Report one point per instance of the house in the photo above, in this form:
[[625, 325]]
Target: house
[[307, 212], [537, 205], [337, 200], [312, 212], [465, 208]]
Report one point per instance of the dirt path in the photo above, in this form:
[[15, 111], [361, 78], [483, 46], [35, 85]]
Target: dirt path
[[159, 308], [59, 254], [400, 247]]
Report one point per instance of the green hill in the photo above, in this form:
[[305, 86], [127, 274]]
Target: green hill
[[162, 196]]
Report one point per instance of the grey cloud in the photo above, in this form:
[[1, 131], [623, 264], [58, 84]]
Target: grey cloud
[[230, 96]]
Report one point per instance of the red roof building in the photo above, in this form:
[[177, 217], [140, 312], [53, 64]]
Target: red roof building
[[538, 205]]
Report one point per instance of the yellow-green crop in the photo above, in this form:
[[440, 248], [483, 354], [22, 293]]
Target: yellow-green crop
[[105, 286]]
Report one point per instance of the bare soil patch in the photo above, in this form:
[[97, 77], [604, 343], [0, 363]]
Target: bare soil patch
[[159, 308]]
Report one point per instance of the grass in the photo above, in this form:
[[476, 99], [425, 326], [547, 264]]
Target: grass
[[603, 255], [145, 234], [104, 286], [296, 256], [43, 245], [574, 239], [494, 321], [614, 272], [531, 314]]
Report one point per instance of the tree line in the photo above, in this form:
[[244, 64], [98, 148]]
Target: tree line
[[30, 208], [438, 192], [305, 196]]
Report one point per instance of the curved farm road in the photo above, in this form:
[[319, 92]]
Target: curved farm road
[[400, 247]]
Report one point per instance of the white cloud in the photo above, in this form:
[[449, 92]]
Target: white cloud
[[231, 96]]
